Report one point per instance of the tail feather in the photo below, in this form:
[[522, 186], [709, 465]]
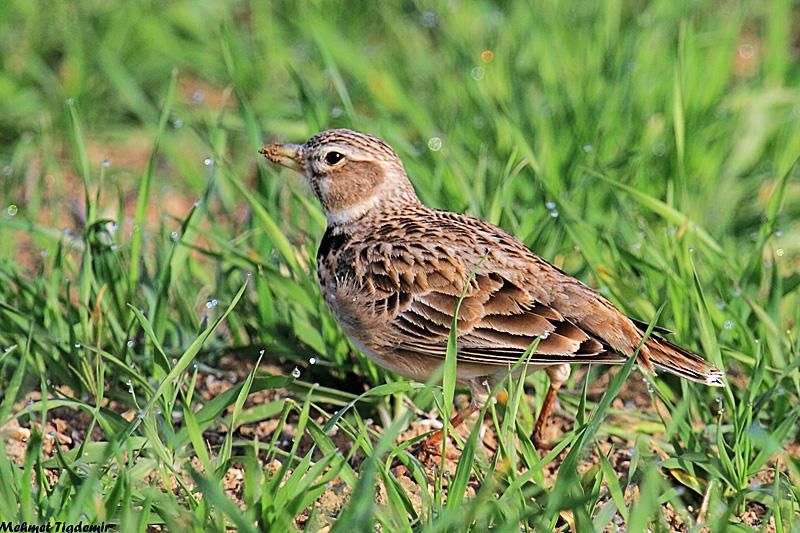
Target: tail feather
[[681, 362]]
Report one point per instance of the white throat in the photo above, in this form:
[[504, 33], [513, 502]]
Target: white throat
[[354, 212]]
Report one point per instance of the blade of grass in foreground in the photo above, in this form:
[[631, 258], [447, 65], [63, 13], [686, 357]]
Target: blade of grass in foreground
[[144, 190]]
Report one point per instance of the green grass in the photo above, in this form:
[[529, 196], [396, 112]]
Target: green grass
[[647, 148]]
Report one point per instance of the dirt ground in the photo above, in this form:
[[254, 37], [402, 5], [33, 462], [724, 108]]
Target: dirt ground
[[67, 427]]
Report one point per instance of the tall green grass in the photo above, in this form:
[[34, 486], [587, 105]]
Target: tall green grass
[[648, 148]]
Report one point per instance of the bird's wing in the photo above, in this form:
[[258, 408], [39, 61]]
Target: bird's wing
[[416, 286]]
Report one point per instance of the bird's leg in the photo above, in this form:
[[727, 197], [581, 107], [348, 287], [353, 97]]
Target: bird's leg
[[536, 437], [436, 438], [558, 374]]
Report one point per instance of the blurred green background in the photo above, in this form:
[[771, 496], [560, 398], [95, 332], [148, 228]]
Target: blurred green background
[[647, 148]]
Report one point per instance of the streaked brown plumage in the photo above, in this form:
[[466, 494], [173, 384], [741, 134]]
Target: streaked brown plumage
[[392, 270]]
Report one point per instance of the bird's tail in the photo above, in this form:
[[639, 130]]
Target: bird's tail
[[676, 360]]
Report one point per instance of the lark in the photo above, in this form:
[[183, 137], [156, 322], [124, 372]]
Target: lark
[[392, 271]]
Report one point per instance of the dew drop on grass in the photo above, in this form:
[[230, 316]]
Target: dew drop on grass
[[198, 96], [208, 161], [550, 205], [296, 373], [587, 148], [779, 252], [77, 345], [174, 236], [337, 112], [11, 211], [66, 232], [106, 163], [312, 360], [70, 101], [767, 263], [691, 249], [477, 73], [211, 304], [737, 293], [198, 203], [140, 415], [114, 247], [554, 213], [130, 343], [779, 233], [781, 391], [637, 246], [758, 341], [728, 324], [546, 333], [435, 144], [45, 253], [7, 170], [430, 18], [177, 123]]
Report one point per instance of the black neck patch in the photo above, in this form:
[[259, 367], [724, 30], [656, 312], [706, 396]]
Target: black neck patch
[[334, 239]]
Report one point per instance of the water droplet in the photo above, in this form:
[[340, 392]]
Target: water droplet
[[728, 324], [7, 170], [114, 227], [497, 18], [11, 211], [435, 144], [587, 148], [485, 383], [487, 56], [747, 51], [637, 246], [767, 263], [195, 366], [546, 333], [208, 161], [66, 232], [132, 365], [234, 379], [177, 123], [429, 18], [337, 112], [312, 360], [140, 415], [174, 381], [106, 163], [641, 235], [720, 306], [779, 252], [198, 96], [781, 391], [659, 149], [737, 293], [315, 385], [477, 73], [212, 303], [77, 345], [779, 233], [550, 205], [130, 343], [754, 236], [262, 352], [691, 249], [296, 373], [174, 236], [758, 341], [198, 203], [115, 247], [70, 101], [554, 213]]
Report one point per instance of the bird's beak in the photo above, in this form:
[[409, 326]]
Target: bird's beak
[[288, 155]]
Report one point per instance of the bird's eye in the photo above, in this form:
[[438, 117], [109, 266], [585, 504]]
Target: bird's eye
[[333, 157]]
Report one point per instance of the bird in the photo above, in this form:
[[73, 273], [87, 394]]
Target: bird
[[392, 271]]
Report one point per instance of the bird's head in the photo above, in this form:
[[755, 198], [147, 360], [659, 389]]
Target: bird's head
[[350, 173]]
